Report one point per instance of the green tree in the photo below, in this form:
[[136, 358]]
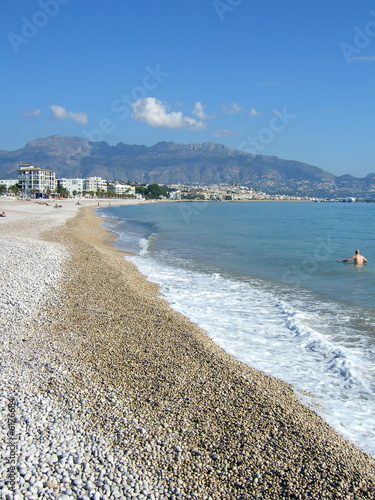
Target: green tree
[[152, 191], [100, 192], [62, 191], [192, 196], [15, 188]]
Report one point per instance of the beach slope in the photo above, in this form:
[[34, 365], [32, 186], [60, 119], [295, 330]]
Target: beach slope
[[142, 403]]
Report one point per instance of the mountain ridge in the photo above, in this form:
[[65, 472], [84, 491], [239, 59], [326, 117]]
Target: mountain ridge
[[173, 163]]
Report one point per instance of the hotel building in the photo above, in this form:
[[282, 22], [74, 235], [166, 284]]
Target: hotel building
[[40, 180]]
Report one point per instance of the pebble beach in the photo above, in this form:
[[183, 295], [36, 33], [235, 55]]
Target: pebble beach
[[107, 393]]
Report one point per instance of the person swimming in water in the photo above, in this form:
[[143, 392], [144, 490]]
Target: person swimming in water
[[358, 258]]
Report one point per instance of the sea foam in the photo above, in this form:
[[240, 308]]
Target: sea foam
[[263, 325]]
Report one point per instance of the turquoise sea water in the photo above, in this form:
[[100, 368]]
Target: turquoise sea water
[[263, 280]]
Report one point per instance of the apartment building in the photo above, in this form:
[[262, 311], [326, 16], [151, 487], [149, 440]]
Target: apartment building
[[72, 185], [8, 182], [95, 184], [40, 180], [120, 188]]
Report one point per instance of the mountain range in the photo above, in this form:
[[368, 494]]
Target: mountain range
[[190, 164]]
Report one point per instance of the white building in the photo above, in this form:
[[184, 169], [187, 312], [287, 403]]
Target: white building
[[95, 184], [8, 182], [175, 195], [120, 188], [34, 178], [72, 185]]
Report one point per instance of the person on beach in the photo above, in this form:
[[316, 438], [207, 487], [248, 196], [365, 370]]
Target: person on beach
[[3, 214], [358, 258]]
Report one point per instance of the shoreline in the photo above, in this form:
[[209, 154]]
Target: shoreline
[[163, 401]]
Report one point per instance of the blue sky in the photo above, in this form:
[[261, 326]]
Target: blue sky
[[290, 78]]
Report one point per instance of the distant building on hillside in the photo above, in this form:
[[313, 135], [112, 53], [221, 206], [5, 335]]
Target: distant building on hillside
[[39, 180]]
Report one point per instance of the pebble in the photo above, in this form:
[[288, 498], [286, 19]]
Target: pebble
[[90, 426], [51, 484]]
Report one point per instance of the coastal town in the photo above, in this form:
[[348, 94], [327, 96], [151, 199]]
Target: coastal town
[[39, 182]]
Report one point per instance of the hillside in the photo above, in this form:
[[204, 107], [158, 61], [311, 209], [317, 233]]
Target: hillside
[[171, 163]]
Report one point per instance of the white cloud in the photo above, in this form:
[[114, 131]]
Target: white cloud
[[362, 59], [231, 108], [59, 113], [254, 112], [32, 114], [198, 111], [225, 132], [154, 112]]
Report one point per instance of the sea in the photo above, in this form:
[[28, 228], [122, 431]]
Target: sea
[[264, 282]]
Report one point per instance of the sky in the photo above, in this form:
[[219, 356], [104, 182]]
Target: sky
[[292, 78]]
